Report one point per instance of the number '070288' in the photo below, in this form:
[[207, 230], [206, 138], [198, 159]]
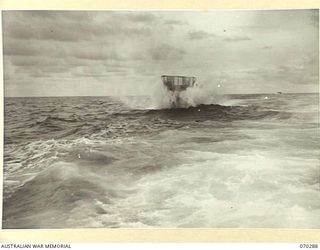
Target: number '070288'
[[308, 245]]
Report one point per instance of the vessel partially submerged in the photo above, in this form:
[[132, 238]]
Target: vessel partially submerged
[[175, 85], [178, 83]]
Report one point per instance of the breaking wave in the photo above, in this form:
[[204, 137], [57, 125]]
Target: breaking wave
[[242, 161]]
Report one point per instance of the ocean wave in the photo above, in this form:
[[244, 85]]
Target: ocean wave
[[50, 119], [56, 190], [218, 112], [92, 162]]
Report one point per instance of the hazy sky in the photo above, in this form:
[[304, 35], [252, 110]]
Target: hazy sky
[[53, 53]]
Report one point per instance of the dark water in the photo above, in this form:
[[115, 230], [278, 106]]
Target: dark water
[[246, 162]]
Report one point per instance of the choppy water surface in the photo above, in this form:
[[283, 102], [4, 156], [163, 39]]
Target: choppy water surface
[[93, 162]]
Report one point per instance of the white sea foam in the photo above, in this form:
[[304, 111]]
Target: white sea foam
[[256, 171], [161, 98]]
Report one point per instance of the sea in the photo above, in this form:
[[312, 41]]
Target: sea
[[243, 161]]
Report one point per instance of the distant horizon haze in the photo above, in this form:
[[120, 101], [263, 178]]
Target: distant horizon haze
[[283, 93]]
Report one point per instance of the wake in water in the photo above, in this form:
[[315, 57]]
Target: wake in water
[[95, 162]]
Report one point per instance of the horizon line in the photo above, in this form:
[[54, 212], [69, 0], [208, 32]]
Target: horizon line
[[273, 93]]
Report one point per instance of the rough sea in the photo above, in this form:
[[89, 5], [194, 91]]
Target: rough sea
[[246, 161]]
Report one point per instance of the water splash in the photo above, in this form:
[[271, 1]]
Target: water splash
[[162, 98]]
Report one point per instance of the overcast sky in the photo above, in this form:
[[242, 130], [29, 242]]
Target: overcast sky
[[72, 53]]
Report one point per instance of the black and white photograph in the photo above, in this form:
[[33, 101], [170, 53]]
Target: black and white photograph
[[161, 119]]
